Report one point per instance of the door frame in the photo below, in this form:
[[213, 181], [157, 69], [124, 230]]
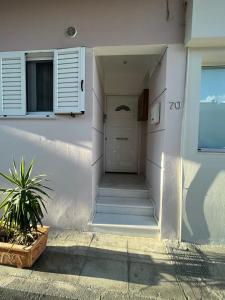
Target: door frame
[[138, 134]]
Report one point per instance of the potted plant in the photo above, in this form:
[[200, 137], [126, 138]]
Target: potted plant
[[22, 236]]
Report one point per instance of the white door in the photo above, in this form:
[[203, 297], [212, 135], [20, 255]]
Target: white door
[[121, 134]]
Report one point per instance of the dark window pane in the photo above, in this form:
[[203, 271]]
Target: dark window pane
[[39, 86], [31, 87], [44, 83]]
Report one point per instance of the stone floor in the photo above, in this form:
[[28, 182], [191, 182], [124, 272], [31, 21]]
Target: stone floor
[[119, 181], [102, 266]]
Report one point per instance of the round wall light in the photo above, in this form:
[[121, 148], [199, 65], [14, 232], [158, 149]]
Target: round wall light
[[71, 32]]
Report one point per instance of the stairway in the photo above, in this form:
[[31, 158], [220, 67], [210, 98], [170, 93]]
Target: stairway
[[124, 210]]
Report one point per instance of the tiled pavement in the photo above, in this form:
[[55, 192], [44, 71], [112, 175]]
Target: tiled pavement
[[102, 266]]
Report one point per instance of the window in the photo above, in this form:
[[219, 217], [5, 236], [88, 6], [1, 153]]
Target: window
[[30, 85], [212, 109], [39, 84]]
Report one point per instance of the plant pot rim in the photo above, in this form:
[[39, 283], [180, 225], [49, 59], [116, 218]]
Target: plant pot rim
[[23, 248]]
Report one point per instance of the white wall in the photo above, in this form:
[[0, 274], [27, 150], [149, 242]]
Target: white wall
[[123, 83], [156, 134], [163, 170], [97, 126], [63, 146], [203, 208], [205, 23], [172, 181], [62, 149], [41, 24]]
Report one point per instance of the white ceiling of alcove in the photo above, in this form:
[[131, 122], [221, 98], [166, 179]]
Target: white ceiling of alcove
[[135, 63], [120, 78]]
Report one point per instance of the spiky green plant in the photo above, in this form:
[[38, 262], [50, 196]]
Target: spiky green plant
[[23, 203]]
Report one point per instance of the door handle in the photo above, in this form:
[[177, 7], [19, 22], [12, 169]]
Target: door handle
[[82, 85], [122, 138]]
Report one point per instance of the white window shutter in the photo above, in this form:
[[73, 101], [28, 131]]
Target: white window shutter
[[12, 84], [69, 76]]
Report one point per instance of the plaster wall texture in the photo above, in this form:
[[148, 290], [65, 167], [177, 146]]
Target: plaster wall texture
[[97, 127], [172, 179], [203, 173], [163, 169], [68, 149], [62, 149], [205, 24], [156, 134], [41, 24]]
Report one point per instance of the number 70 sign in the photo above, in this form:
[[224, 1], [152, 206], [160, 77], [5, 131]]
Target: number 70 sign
[[175, 105]]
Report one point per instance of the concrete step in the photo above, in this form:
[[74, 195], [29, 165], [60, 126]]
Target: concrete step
[[125, 205], [123, 192], [125, 224]]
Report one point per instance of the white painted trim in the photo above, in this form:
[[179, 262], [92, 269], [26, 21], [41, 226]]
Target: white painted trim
[[1, 94], [28, 117], [70, 108], [38, 58], [82, 77], [130, 50], [211, 150], [40, 113], [139, 138], [21, 110]]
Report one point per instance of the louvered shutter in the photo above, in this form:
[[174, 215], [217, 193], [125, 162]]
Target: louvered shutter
[[12, 83], [69, 85]]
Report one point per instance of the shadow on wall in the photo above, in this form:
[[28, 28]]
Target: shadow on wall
[[196, 228], [63, 152]]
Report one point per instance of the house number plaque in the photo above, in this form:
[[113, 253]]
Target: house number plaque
[[175, 105]]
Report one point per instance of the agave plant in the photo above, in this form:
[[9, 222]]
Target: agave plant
[[23, 203]]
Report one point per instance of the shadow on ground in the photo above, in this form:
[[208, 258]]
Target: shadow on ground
[[190, 266], [107, 264]]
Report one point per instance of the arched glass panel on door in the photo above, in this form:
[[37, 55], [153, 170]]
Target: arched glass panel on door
[[122, 107]]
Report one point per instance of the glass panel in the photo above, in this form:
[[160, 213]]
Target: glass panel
[[212, 108], [39, 86], [31, 87], [44, 83], [122, 107]]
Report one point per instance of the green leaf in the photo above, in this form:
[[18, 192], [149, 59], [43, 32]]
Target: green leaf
[[23, 204], [29, 170], [22, 171], [8, 178]]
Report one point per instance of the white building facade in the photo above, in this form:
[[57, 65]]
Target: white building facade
[[73, 103]]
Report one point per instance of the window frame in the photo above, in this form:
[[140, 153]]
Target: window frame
[[37, 56], [209, 149], [71, 108]]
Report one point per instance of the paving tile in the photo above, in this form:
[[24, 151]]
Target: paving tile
[[170, 291], [68, 247], [150, 274], [147, 250], [59, 266], [150, 281], [11, 294], [66, 290], [13, 271], [6, 280], [109, 241], [146, 244], [105, 273], [58, 236], [27, 285], [112, 254]]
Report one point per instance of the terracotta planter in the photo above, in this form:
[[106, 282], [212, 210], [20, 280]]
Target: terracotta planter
[[23, 256]]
